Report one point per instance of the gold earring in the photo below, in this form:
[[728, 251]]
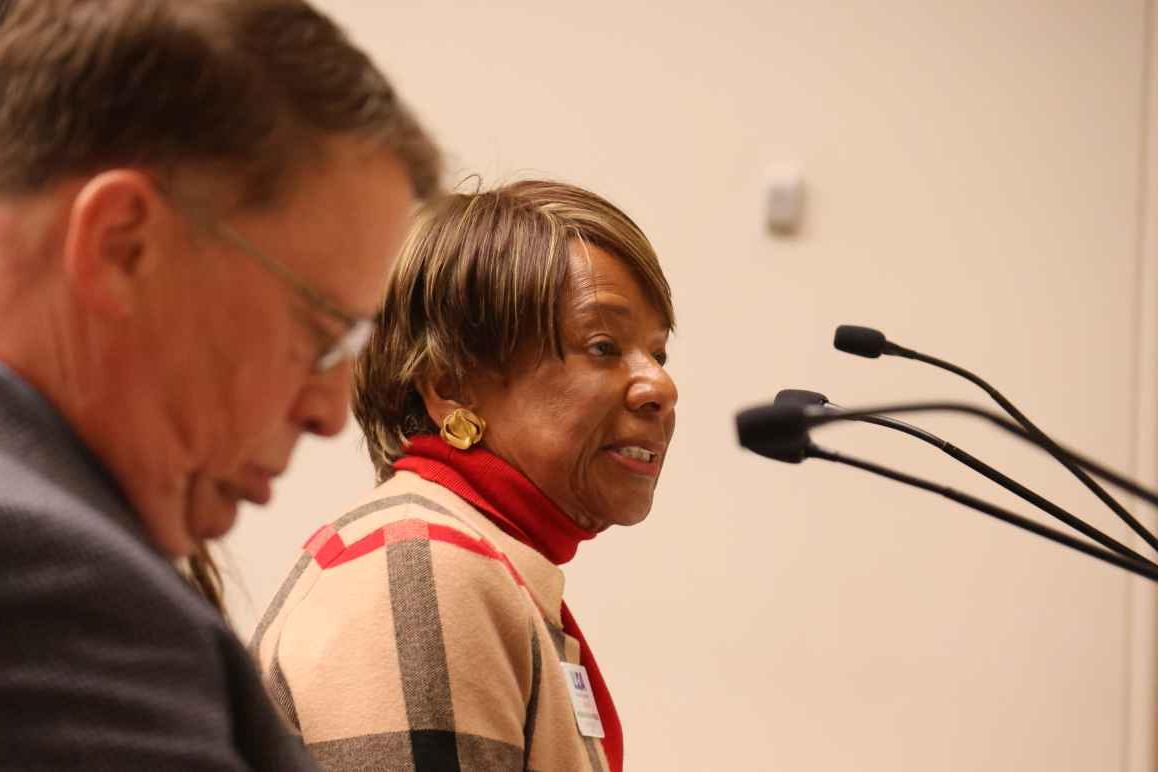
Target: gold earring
[[461, 428]]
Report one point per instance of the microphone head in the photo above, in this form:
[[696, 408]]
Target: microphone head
[[800, 398], [774, 431], [862, 341]]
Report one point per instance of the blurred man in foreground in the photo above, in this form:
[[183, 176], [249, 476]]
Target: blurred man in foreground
[[199, 204]]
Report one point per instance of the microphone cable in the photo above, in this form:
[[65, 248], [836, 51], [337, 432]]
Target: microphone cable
[[800, 399], [870, 343]]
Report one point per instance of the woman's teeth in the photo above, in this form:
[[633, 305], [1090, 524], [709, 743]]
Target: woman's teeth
[[639, 454]]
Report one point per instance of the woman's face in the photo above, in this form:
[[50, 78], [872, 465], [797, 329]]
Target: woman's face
[[591, 430]]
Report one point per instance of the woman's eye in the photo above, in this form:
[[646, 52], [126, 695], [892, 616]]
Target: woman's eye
[[603, 348], [661, 357]]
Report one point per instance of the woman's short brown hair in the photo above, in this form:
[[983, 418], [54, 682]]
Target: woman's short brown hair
[[480, 276]]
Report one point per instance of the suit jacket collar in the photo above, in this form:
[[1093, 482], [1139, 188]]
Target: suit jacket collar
[[36, 438]]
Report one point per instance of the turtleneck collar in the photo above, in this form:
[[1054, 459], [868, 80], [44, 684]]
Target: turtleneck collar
[[500, 491]]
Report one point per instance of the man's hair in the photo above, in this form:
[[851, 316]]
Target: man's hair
[[249, 88], [480, 277]]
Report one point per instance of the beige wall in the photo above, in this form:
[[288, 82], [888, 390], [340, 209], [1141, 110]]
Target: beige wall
[[974, 173]]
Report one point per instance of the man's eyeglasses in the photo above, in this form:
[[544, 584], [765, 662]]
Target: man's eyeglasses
[[357, 329]]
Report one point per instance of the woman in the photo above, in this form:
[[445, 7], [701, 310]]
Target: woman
[[515, 404]]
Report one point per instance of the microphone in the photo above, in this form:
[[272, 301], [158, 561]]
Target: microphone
[[786, 419], [763, 431], [802, 398], [863, 342], [797, 398], [870, 343], [785, 423], [796, 447]]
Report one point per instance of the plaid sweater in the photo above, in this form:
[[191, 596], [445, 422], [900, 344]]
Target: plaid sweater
[[414, 634]]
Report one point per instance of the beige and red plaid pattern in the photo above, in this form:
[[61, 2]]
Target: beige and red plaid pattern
[[413, 634]]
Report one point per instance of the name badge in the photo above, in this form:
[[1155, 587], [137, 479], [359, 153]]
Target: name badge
[[583, 700]]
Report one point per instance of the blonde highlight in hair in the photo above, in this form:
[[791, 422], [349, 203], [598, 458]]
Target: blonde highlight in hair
[[480, 277]]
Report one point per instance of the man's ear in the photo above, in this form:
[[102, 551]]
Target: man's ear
[[112, 241]]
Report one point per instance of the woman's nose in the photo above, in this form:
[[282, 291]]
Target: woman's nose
[[652, 389]]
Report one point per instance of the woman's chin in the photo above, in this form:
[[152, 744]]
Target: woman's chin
[[620, 501], [629, 516]]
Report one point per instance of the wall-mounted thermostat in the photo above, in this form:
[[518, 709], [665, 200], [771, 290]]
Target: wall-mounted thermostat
[[784, 201]]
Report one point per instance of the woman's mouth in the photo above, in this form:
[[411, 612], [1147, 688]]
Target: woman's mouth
[[636, 459], [636, 452]]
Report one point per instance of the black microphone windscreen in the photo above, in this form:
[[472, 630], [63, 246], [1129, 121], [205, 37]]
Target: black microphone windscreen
[[800, 398], [862, 341], [774, 431]]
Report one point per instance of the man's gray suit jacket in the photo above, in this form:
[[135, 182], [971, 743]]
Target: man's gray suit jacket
[[108, 659]]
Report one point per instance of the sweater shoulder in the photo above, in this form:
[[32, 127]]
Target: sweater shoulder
[[397, 600], [404, 544]]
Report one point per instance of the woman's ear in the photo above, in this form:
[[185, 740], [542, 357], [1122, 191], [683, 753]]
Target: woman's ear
[[442, 396]]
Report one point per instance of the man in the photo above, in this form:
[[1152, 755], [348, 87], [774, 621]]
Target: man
[[199, 202]]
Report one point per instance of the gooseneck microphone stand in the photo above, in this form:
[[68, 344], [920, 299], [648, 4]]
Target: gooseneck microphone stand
[[870, 343], [1139, 567], [797, 449], [796, 398], [780, 431]]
